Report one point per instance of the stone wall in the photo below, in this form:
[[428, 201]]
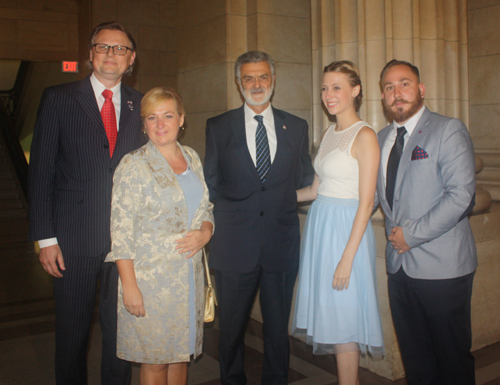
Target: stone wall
[[154, 27], [39, 30], [484, 62], [212, 37]]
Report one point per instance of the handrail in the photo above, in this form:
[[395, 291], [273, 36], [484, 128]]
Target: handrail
[[14, 147], [9, 111]]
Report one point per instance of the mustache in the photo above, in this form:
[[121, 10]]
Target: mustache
[[399, 101], [257, 90]]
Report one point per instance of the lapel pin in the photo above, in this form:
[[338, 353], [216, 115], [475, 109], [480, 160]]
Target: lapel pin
[[284, 127], [130, 105]]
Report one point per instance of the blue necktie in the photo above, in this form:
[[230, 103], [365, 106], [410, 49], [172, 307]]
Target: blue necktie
[[393, 165], [262, 146]]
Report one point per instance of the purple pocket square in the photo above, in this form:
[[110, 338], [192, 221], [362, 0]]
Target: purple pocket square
[[419, 153]]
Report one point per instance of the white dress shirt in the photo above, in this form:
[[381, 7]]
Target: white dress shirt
[[391, 138], [98, 88], [117, 97], [251, 129]]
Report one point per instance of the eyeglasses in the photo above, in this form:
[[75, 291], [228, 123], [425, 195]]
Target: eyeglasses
[[120, 50], [249, 80]]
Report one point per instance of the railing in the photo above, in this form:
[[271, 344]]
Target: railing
[[9, 110], [14, 148]]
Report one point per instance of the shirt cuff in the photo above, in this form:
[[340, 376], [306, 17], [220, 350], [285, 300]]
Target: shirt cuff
[[47, 242]]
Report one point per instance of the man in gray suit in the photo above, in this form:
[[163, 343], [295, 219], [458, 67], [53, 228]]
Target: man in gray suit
[[426, 184]]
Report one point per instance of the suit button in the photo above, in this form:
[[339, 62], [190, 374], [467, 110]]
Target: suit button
[[263, 189], [262, 213], [111, 170], [106, 146]]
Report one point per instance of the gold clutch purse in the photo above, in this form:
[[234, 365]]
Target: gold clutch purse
[[210, 299]]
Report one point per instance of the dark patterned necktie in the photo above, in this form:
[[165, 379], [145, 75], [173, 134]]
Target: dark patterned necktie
[[108, 115], [262, 146], [393, 164]]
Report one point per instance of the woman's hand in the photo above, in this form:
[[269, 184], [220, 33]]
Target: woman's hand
[[342, 275], [132, 299], [194, 240]]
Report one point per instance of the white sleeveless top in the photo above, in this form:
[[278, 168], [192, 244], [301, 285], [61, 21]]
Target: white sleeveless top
[[337, 170]]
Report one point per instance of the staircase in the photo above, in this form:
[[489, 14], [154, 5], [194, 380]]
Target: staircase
[[13, 206]]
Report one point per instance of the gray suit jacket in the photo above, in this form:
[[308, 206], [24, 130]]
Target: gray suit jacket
[[434, 186]]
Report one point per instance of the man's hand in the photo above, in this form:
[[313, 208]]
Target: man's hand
[[398, 241], [50, 258]]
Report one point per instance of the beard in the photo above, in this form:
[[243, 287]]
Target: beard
[[399, 115], [247, 94]]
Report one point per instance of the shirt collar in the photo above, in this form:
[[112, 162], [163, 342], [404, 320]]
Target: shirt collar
[[267, 114], [99, 87], [411, 123]]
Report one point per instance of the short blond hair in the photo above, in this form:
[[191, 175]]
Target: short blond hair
[[158, 95]]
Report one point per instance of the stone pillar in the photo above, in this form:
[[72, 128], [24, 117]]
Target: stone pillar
[[210, 39], [431, 34], [203, 44], [484, 57], [84, 29], [153, 26]]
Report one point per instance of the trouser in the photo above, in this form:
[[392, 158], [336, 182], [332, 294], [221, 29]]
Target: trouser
[[236, 293], [432, 319], [74, 299]]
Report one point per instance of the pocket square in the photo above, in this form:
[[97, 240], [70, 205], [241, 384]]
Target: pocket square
[[419, 153]]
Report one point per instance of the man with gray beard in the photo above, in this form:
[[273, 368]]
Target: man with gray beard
[[256, 158]]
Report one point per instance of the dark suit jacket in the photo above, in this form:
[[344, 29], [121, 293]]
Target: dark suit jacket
[[71, 173], [435, 184], [255, 221]]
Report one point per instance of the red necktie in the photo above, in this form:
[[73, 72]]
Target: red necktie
[[109, 119]]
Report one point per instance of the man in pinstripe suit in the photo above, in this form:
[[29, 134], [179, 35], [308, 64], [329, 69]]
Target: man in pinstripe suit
[[73, 158]]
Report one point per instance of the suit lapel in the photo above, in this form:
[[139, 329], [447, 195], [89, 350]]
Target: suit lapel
[[415, 138], [126, 109], [239, 134], [282, 142], [86, 98], [127, 106], [381, 172]]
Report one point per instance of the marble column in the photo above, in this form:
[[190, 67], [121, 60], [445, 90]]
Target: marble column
[[431, 34], [212, 36], [484, 57]]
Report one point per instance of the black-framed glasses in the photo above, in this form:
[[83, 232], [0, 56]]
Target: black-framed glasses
[[118, 49]]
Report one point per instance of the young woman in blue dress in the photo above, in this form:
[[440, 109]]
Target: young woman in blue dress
[[337, 306]]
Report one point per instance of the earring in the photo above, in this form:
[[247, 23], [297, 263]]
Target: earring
[[182, 128]]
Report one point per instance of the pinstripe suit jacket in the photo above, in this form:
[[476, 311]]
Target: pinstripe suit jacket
[[71, 173]]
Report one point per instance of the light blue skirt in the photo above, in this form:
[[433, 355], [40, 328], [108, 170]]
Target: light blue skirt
[[337, 321]]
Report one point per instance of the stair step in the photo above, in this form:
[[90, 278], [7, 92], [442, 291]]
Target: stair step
[[6, 174], [7, 185], [13, 214], [9, 194], [11, 204], [14, 238], [14, 226], [24, 246], [14, 223]]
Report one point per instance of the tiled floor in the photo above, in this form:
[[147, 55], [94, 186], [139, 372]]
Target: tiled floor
[[27, 338]]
